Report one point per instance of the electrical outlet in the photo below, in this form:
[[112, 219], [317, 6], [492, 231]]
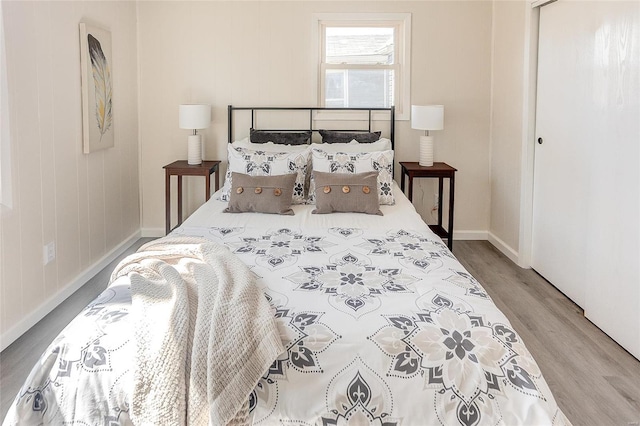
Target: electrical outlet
[[49, 252], [436, 201]]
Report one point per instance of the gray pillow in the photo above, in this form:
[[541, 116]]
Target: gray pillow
[[346, 193], [333, 136], [283, 138], [261, 194]]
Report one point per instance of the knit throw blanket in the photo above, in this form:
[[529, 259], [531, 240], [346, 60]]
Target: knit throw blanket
[[204, 333]]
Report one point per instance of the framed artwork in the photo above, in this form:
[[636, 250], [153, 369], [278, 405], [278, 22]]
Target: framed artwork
[[97, 88]]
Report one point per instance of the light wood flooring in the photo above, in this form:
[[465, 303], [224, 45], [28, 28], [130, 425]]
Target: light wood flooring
[[593, 379]]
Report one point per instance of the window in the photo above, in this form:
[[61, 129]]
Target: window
[[364, 61]]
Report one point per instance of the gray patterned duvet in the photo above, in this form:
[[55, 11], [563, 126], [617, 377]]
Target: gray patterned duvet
[[380, 327]]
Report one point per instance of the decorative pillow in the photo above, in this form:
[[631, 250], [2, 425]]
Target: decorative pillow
[[286, 138], [343, 162], [346, 193], [261, 163], [333, 136], [261, 194], [381, 145], [269, 146], [272, 147]]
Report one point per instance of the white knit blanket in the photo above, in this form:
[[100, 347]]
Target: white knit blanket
[[204, 333]]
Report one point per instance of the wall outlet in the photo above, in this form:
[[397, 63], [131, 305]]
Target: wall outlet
[[436, 201], [49, 252]]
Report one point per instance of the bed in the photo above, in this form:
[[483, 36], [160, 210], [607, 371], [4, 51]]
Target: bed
[[378, 321]]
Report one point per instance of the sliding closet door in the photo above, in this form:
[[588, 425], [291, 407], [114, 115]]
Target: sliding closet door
[[586, 217], [559, 191]]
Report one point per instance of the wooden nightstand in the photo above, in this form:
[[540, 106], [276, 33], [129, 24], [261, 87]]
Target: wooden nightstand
[[182, 168], [440, 171]]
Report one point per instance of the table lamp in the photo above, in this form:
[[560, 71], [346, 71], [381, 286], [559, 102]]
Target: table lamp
[[194, 117], [428, 117]]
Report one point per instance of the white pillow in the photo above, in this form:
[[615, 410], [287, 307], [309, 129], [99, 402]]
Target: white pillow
[[261, 163], [356, 162], [269, 146], [381, 144]]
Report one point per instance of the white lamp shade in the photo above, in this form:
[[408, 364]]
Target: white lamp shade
[[427, 117], [195, 116]]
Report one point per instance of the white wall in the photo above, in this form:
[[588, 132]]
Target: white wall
[[508, 123], [87, 204], [261, 53]]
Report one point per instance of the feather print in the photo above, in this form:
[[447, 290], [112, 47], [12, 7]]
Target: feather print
[[102, 83]]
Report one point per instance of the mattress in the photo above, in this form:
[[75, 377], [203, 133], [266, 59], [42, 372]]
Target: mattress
[[381, 325]]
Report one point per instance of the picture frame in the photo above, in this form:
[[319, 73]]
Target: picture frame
[[96, 63]]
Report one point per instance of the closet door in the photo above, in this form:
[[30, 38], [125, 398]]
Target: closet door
[[586, 216], [560, 168]]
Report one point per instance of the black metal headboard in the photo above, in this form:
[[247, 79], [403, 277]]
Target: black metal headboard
[[312, 118]]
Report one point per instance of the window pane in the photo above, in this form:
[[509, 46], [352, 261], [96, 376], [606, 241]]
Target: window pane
[[359, 45], [359, 88], [335, 95]]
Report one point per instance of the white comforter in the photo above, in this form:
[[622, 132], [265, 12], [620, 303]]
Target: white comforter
[[380, 322]]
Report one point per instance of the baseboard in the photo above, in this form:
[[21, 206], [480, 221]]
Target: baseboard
[[41, 311], [470, 235], [152, 232], [504, 248]]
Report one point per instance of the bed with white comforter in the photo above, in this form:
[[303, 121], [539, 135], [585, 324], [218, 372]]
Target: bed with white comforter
[[379, 322]]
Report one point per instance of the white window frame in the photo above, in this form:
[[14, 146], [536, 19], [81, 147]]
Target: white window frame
[[6, 198], [402, 66]]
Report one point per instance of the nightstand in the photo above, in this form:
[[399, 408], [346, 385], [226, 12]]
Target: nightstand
[[440, 171], [182, 168]]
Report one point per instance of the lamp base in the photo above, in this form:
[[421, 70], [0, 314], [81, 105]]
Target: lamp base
[[194, 150], [426, 151]]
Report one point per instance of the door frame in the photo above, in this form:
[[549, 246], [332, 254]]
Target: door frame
[[530, 83]]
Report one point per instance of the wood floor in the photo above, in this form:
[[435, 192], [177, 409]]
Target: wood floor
[[594, 380]]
